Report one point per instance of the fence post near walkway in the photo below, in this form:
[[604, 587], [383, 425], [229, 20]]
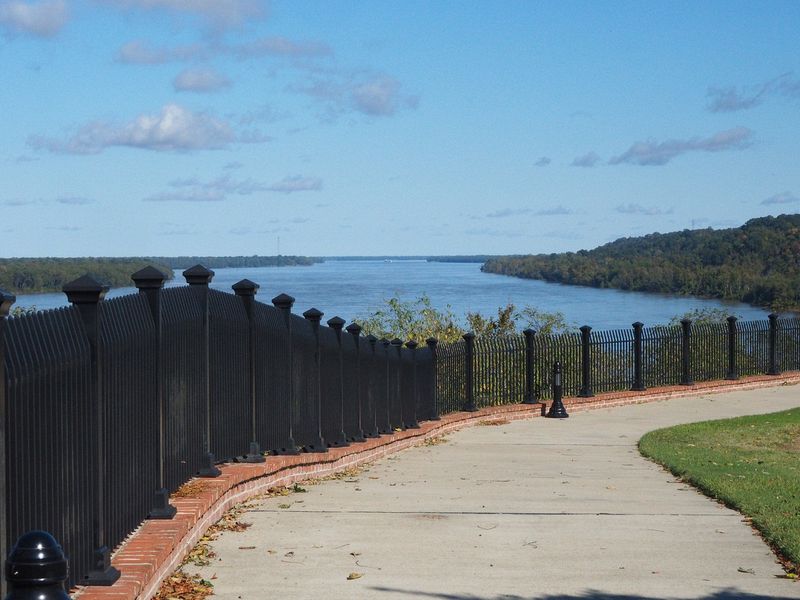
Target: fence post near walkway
[[469, 365], [530, 383], [246, 290], [284, 303], [732, 370], [686, 352], [586, 373], [434, 408], [773, 345], [638, 379]]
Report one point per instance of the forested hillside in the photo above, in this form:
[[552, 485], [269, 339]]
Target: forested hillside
[[758, 263]]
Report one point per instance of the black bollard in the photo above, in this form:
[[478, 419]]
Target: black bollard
[[557, 410], [36, 569]]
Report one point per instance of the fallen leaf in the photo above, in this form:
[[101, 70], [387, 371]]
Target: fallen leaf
[[743, 570], [354, 575]]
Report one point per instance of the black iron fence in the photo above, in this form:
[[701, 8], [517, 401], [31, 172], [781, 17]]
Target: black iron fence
[[477, 372], [108, 406]]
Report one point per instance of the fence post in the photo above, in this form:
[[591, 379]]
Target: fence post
[[732, 371], [314, 316], [586, 372], [686, 352], [397, 343], [36, 568], [86, 294], [354, 329], [389, 425], [410, 421], [337, 323], [638, 379], [149, 281], [434, 409], [530, 383], [6, 301], [284, 303], [198, 278], [469, 358], [247, 290], [773, 345]]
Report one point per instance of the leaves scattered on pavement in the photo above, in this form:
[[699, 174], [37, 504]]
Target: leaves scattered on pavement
[[181, 586]]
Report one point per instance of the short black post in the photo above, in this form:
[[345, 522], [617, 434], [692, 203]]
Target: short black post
[[365, 427], [149, 281], [7, 299], [314, 316], [638, 377], [733, 372], [340, 438], [198, 278], [530, 381], [586, 371], [773, 345], [686, 352], [36, 569], [86, 294], [433, 410], [469, 366], [557, 410], [247, 290], [284, 302], [410, 420]]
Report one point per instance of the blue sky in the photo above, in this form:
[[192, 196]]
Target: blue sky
[[216, 127]]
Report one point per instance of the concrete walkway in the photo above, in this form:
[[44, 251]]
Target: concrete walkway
[[542, 509]]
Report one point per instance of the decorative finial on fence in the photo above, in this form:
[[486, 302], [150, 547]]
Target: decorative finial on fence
[[148, 278], [198, 275], [245, 287], [353, 329], [36, 568], [284, 301], [6, 300]]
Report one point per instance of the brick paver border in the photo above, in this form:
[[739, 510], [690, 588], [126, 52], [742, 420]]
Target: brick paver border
[[157, 547]]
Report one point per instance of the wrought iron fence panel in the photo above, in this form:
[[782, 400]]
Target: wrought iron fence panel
[[129, 379], [379, 384], [305, 385], [394, 377], [408, 387], [229, 373], [426, 384], [332, 388], [273, 377], [788, 344], [611, 360], [499, 370], [709, 351], [184, 384], [752, 347], [564, 348], [355, 409], [661, 355], [48, 432], [451, 376]]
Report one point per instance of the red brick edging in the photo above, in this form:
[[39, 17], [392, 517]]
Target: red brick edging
[[156, 549]]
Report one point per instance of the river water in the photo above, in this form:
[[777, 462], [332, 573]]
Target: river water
[[351, 289]]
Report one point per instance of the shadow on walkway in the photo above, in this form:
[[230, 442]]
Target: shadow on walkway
[[726, 594]]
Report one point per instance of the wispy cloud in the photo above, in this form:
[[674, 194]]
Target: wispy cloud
[[280, 46], [42, 19], [202, 80], [556, 210], [638, 209], [731, 99], [296, 183], [217, 190], [783, 198], [587, 160], [218, 15], [653, 153], [74, 200], [508, 212], [175, 128], [138, 52], [543, 161]]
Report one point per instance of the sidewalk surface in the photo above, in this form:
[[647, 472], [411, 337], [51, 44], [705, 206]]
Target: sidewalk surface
[[539, 509]]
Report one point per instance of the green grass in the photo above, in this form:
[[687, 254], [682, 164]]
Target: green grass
[[752, 464]]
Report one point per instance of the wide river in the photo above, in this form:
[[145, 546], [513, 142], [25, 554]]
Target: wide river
[[357, 288]]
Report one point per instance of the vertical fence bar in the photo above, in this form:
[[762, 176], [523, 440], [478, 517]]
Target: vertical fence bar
[[317, 444], [586, 371], [284, 302], [246, 290], [773, 345], [198, 278], [433, 410], [149, 281], [469, 364], [6, 300], [638, 380], [530, 370], [686, 352], [733, 372], [86, 294], [410, 420]]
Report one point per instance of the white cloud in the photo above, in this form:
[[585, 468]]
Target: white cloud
[[175, 128], [201, 80], [652, 153], [587, 160], [217, 14], [731, 99], [281, 46], [44, 18], [783, 198], [638, 209], [138, 52], [380, 96]]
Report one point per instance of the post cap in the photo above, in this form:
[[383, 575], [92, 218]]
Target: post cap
[[245, 287], [772, 316], [469, 336], [396, 342], [85, 290], [37, 558], [198, 275], [529, 332], [336, 323], [354, 329], [313, 315], [411, 344], [686, 322], [637, 325], [732, 319], [585, 328], [283, 301], [6, 300], [432, 341], [148, 278]]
